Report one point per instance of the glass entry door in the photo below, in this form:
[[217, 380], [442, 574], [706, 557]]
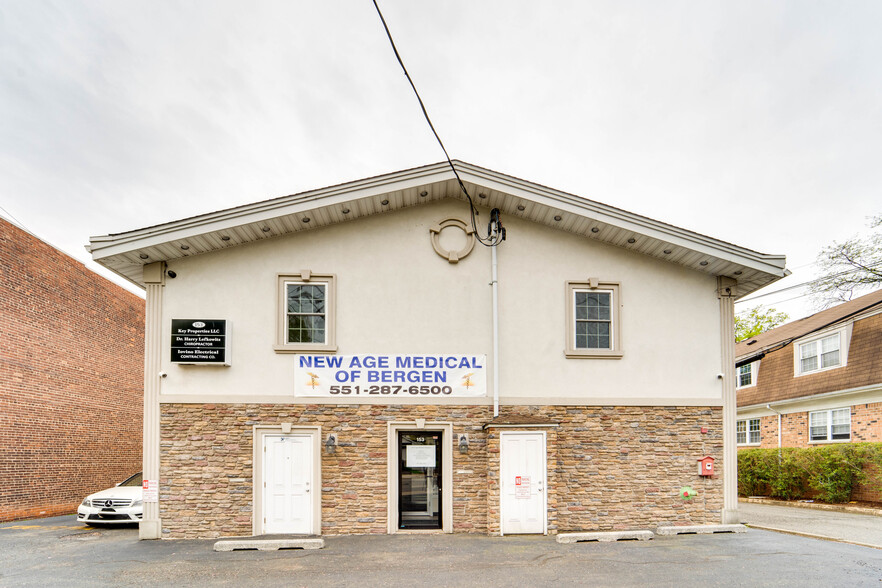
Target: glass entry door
[[419, 480]]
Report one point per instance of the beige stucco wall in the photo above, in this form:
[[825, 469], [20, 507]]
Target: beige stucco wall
[[395, 295]]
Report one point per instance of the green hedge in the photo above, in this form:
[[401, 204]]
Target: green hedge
[[827, 472]]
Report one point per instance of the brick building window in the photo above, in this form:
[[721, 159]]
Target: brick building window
[[747, 432], [830, 425]]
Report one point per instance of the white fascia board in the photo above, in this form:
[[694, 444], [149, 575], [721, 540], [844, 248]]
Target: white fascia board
[[109, 245], [849, 397], [771, 264]]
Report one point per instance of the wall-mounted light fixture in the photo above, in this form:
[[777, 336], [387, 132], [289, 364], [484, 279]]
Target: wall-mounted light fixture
[[463, 443], [331, 444]]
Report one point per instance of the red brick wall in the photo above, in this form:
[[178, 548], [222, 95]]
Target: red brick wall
[[71, 379], [866, 425]]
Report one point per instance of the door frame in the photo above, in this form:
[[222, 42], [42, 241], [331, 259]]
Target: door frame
[[259, 432], [392, 459], [502, 435]]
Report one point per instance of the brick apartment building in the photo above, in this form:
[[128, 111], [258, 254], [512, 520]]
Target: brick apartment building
[[813, 381], [71, 379]]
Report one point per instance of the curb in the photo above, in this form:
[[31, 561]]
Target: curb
[[813, 505], [812, 535]]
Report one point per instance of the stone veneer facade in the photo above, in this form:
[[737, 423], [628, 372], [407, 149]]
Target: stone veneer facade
[[608, 468]]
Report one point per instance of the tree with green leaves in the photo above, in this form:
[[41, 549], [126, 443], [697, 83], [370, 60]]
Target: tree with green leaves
[[750, 323], [849, 268]]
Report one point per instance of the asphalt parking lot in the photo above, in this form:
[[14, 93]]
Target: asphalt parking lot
[[58, 551]]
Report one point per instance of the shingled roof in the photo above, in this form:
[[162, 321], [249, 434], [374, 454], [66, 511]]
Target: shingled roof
[[764, 341]]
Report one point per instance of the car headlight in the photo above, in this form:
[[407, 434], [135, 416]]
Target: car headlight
[[87, 502], [137, 503]]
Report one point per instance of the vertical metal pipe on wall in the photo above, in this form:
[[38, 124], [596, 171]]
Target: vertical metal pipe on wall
[[495, 293]]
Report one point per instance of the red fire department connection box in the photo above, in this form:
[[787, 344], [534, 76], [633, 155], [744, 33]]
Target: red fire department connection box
[[706, 466]]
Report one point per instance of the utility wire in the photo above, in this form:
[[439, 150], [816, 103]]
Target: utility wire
[[803, 284], [494, 237]]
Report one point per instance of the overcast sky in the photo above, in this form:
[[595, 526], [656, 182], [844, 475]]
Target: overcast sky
[[758, 123]]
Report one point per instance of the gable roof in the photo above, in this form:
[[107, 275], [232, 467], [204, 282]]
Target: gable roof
[[127, 253], [749, 349]]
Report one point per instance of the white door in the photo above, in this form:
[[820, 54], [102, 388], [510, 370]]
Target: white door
[[287, 475], [522, 483]]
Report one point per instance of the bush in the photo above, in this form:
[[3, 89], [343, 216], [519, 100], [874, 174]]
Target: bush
[[827, 473]]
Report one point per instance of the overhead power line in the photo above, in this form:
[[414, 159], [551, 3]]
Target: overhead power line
[[496, 234], [804, 284]]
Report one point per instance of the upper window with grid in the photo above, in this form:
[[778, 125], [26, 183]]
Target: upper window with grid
[[593, 319], [306, 321], [306, 312], [820, 354], [747, 375]]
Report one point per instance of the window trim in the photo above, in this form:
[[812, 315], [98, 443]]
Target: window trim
[[306, 277], [754, 373], [748, 431], [594, 284], [829, 412], [817, 338]]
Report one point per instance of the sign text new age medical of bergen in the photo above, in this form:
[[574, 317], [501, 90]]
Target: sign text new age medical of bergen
[[368, 375]]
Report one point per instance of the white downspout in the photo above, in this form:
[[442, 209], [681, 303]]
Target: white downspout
[[495, 295], [769, 406]]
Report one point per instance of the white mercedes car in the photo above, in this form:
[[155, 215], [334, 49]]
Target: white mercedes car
[[124, 503]]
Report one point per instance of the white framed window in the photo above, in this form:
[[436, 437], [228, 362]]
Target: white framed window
[[820, 354], [306, 310], [830, 425], [593, 320], [747, 375], [747, 432]]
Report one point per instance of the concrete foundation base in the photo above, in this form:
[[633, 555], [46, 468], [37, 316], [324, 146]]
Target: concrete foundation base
[[731, 516], [150, 529]]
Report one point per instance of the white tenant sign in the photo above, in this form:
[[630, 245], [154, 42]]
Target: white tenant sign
[[394, 376], [420, 456], [522, 486], [150, 490]]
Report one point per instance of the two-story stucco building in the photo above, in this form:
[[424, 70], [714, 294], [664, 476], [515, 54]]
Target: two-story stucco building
[[352, 360]]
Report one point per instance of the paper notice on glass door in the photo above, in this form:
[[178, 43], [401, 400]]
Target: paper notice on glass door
[[420, 456]]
